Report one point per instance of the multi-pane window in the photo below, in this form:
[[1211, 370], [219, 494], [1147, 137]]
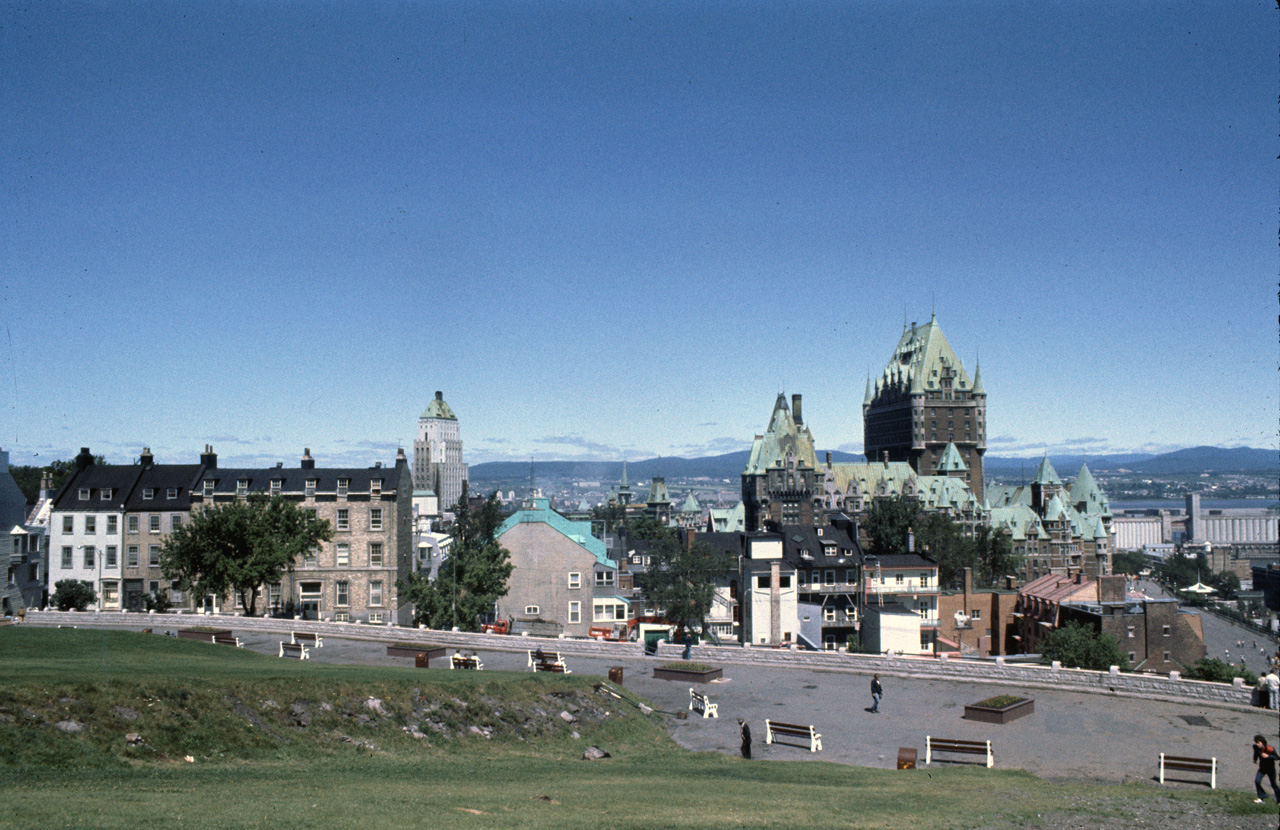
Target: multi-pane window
[[899, 579], [375, 592], [148, 493], [153, 556], [276, 485], [84, 494], [310, 557], [273, 595], [531, 610], [604, 578], [171, 493], [89, 551], [375, 518], [575, 612], [68, 524], [90, 524], [209, 484], [113, 525], [309, 488], [344, 519], [153, 523], [106, 493], [343, 485], [110, 557], [175, 521], [575, 580], [242, 487], [343, 593], [375, 554], [131, 556], [375, 487], [66, 557], [131, 524], [343, 554]]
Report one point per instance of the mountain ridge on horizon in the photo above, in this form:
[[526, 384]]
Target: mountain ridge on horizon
[[730, 465]]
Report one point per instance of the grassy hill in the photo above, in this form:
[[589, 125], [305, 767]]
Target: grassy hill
[[115, 729]]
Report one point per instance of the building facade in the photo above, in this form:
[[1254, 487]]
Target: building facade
[[437, 453], [781, 482], [923, 401]]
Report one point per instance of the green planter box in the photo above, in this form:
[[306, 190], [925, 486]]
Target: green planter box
[[687, 675], [1019, 707], [432, 651]]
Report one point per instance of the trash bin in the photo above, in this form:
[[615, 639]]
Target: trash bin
[[615, 675], [906, 757]]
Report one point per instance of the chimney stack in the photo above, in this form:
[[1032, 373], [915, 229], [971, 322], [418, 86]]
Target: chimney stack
[[147, 458], [308, 463], [886, 459], [209, 458], [46, 485], [400, 457], [795, 410], [84, 459]]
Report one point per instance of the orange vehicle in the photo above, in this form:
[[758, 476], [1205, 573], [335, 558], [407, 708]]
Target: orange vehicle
[[499, 627]]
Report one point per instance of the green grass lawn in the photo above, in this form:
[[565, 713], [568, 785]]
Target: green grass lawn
[[234, 712]]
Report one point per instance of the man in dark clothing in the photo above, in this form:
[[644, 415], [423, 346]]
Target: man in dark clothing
[[1265, 756], [746, 739], [876, 692]]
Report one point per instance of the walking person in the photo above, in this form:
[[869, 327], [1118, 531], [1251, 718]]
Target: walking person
[[1265, 756], [746, 739], [877, 691]]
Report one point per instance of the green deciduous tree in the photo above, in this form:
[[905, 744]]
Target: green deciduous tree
[[887, 522], [681, 579], [73, 595], [1130, 562], [471, 579], [1181, 570], [1216, 670], [1079, 646], [944, 541], [28, 478], [1226, 583], [240, 546]]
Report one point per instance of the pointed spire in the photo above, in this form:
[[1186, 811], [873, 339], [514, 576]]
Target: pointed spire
[[977, 380], [1045, 474], [868, 397]]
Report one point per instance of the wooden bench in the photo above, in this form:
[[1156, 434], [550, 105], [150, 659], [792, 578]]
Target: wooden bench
[[306, 637], [298, 651], [773, 728], [227, 640], [461, 661], [932, 745], [698, 703], [548, 661], [1180, 762]]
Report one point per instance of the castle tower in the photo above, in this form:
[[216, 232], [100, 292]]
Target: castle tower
[[437, 454], [923, 401]]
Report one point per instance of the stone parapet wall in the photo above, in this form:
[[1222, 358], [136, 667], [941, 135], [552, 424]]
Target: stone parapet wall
[[999, 672]]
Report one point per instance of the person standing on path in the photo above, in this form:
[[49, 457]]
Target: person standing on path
[[1265, 756], [746, 739], [876, 692]]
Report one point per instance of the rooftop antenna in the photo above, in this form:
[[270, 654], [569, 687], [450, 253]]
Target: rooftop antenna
[[532, 480], [933, 304]]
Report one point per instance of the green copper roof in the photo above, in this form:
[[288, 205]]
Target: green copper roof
[[690, 504], [951, 462], [977, 380], [868, 396], [919, 360], [729, 520], [439, 409], [1019, 521], [1045, 474], [1054, 512], [781, 439], [658, 492], [538, 511], [1087, 497]]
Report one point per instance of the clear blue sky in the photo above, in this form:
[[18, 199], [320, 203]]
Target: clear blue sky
[[620, 229]]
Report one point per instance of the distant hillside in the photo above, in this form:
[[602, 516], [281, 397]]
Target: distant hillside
[[730, 465], [608, 473]]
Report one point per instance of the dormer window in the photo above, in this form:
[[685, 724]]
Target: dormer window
[[84, 494], [375, 487], [310, 491], [209, 484], [171, 493], [343, 485], [105, 494], [277, 485], [242, 487], [148, 493]]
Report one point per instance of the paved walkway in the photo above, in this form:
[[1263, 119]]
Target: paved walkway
[[1070, 736]]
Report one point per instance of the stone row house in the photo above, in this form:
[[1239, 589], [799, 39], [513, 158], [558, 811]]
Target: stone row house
[[109, 523]]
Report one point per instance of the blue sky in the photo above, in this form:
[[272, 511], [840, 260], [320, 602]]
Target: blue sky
[[614, 230]]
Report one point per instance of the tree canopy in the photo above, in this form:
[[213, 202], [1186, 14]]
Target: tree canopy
[[471, 579], [989, 553], [28, 478], [681, 579], [1079, 646], [240, 546], [1130, 562], [1181, 570], [73, 595]]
